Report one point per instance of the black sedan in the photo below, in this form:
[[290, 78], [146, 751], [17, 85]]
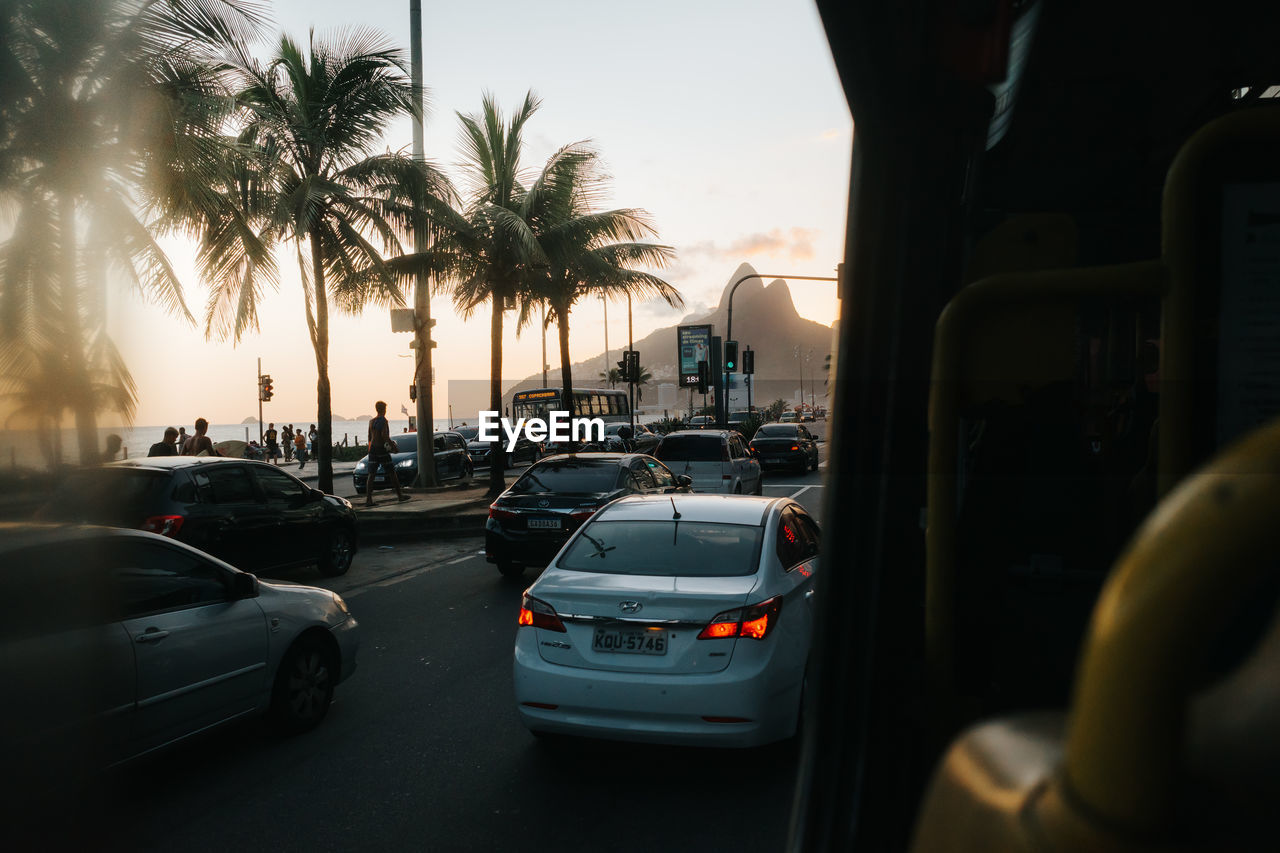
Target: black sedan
[[785, 446], [250, 514], [524, 450], [453, 462], [535, 516]]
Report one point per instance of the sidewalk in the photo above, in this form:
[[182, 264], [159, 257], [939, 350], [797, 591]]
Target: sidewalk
[[455, 508]]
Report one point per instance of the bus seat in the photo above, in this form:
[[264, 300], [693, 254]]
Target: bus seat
[[1174, 731]]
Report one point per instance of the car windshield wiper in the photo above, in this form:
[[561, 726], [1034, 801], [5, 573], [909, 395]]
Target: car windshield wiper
[[600, 549]]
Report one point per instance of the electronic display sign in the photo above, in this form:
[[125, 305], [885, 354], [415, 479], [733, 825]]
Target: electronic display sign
[[693, 344]]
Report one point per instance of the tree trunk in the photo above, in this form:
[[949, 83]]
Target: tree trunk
[[324, 399], [566, 367], [497, 453], [80, 394]]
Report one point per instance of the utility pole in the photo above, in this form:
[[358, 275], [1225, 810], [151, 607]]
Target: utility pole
[[545, 366], [632, 375], [259, 401], [422, 321], [606, 338]]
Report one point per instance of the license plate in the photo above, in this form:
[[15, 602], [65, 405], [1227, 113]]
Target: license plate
[[544, 524], [633, 641], [775, 462]]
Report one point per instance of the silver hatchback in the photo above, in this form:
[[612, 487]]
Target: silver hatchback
[[120, 642]]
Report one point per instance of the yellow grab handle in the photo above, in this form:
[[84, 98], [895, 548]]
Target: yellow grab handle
[[1199, 555]]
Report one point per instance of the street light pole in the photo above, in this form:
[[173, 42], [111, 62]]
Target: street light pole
[[544, 346], [631, 380], [422, 321]]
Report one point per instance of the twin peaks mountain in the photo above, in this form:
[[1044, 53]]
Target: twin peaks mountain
[[764, 318]]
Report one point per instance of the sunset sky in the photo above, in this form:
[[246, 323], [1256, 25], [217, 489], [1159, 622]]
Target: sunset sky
[[723, 119]]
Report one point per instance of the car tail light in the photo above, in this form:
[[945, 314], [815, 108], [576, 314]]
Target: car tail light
[[165, 525], [539, 614], [500, 514], [754, 622], [582, 513], [795, 447]]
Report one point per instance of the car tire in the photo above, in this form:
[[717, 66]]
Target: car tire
[[304, 686], [508, 569], [339, 550], [759, 486]]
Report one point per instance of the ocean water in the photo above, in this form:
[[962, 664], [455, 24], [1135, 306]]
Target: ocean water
[[21, 448]]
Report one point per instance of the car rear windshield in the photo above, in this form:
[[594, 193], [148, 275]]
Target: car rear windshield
[[777, 431], [120, 496], [674, 548], [691, 448], [569, 476]]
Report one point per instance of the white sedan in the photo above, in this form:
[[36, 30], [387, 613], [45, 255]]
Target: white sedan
[[680, 619]]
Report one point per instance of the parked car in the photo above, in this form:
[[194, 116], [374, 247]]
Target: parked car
[[254, 515], [524, 450], [449, 450], [717, 460], [698, 421], [533, 518], [785, 446], [684, 620], [125, 642]]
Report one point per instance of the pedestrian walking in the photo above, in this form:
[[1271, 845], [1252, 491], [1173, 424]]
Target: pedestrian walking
[[300, 448], [380, 449], [271, 437], [288, 443], [312, 437], [164, 447]]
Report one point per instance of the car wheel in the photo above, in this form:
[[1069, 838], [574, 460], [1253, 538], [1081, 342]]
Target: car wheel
[[508, 569], [759, 486], [338, 552], [304, 686]]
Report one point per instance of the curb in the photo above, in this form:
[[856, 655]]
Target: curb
[[421, 525]]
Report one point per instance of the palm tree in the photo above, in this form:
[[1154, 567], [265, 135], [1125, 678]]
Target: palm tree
[[642, 381], [588, 252], [307, 178], [495, 265], [613, 376], [108, 109]]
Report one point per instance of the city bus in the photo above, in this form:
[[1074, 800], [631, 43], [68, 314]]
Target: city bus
[[610, 405]]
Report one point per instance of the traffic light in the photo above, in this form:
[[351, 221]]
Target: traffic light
[[730, 356], [704, 377], [265, 388], [748, 361], [413, 392], [622, 367], [633, 365]]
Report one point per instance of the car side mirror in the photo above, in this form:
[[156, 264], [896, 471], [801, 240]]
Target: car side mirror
[[684, 481], [245, 585]]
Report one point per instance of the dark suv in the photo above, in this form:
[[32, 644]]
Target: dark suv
[[250, 514]]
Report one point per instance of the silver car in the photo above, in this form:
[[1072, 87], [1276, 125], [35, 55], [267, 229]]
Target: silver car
[[119, 642]]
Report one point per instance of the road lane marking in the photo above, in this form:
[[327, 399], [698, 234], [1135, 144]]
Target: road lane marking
[[802, 491], [462, 559]]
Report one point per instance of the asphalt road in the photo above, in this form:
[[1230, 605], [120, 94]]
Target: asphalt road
[[423, 750]]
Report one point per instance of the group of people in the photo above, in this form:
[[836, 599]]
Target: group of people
[[177, 442], [294, 441]]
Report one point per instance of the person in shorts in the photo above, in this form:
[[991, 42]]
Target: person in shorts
[[271, 437], [300, 448], [380, 455]]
